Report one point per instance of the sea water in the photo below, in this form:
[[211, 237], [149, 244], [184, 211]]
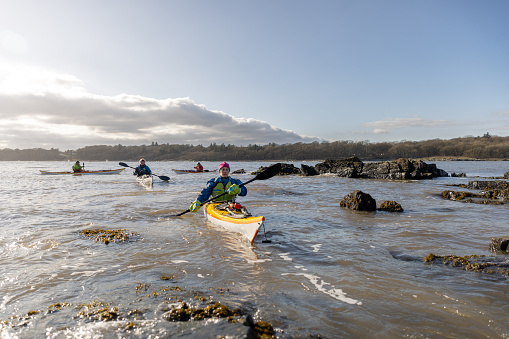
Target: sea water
[[327, 272]]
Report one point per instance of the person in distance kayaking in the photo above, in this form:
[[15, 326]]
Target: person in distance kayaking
[[142, 169], [77, 167], [198, 167], [217, 186]]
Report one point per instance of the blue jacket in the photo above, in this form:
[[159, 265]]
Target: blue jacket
[[207, 191], [140, 170]]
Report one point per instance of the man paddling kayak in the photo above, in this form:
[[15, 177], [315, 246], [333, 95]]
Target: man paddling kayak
[[142, 169], [77, 167], [217, 186], [198, 167]]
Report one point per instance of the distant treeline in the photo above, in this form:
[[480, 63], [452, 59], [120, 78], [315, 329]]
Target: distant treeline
[[483, 148]]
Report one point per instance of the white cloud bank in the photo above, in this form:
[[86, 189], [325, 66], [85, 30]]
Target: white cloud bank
[[41, 108], [384, 126]]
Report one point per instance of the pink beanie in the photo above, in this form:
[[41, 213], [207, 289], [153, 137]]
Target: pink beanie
[[223, 164]]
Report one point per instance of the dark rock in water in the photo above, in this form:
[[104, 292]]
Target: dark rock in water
[[401, 169], [500, 245], [287, 169], [484, 198], [455, 195], [308, 170], [475, 263], [358, 201], [506, 175], [462, 175], [348, 168], [486, 185], [390, 206], [240, 171]]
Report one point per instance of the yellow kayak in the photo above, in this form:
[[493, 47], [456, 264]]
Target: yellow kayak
[[234, 217]]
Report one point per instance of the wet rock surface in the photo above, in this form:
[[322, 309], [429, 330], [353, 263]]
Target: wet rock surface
[[500, 245], [390, 206], [353, 167], [495, 192], [476, 263], [358, 201]]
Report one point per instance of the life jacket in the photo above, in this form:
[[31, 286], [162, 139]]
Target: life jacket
[[220, 189], [142, 170]]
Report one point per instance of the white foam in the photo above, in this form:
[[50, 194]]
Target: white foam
[[285, 256], [316, 247], [178, 261], [336, 293]]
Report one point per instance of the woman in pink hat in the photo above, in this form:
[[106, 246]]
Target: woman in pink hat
[[217, 186]]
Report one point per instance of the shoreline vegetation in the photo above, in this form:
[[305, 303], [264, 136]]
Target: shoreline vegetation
[[485, 148]]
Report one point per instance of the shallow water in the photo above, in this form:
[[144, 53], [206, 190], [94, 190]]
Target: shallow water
[[327, 272]]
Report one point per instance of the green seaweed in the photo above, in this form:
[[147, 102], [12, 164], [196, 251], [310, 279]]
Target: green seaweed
[[107, 236], [474, 263]]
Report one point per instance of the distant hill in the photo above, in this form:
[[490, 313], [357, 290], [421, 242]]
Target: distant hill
[[486, 147]]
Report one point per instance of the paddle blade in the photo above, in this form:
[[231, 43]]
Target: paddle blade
[[178, 215], [269, 172], [123, 164], [164, 177]]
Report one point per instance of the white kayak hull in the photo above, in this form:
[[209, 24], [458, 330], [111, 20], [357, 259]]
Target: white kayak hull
[[145, 180]]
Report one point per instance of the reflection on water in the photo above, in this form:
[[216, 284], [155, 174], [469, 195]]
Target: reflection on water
[[327, 271]]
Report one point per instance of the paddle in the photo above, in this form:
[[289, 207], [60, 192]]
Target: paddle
[[162, 177], [267, 173]]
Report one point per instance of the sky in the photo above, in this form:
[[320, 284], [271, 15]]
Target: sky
[[81, 73]]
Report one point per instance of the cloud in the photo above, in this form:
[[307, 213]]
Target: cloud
[[49, 109], [388, 125], [397, 123]]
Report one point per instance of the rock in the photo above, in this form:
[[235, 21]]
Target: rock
[[390, 206], [240, 171], [348, 168], [486, 185], [358, 201], [462, 175], [308, 170], [484, 198], [287, 169], [506, 175], [401, 169], [500, 245]]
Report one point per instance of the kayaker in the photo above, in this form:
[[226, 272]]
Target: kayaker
[[198, 167], [142, 169], [217, 186], [77, 167]]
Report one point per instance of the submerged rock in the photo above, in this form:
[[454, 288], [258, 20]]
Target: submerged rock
[[487, 185], [477, 263]]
